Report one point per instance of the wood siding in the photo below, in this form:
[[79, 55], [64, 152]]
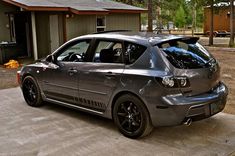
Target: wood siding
[[221, 19], [43, 34], [4, 21], [80, 25], [123, 22]]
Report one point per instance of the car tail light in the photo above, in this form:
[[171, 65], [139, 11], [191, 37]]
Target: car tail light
[[18, 77], [174, 82]]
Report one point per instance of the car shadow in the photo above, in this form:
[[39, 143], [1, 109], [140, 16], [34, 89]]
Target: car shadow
[[78, 114], [213, 135], [211, 127]]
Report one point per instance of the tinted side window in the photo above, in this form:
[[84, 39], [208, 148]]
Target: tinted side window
[[108, 52], [75, 53], [133, 52]]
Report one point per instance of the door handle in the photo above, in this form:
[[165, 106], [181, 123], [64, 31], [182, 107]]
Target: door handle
[[72, 71], [110, 75]]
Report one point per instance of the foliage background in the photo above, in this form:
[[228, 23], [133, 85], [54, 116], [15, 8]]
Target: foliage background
[[180, 12]]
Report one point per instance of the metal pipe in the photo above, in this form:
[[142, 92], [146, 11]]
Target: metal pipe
[[188, 122]]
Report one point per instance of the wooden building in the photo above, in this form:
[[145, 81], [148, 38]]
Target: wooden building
[[221, 18]]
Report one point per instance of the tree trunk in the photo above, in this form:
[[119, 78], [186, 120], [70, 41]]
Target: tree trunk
[[130, 2], [231, 41], [150, 16], [194, 18], [211, 23]]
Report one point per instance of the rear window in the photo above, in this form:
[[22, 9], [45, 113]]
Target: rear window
[[185, 54]]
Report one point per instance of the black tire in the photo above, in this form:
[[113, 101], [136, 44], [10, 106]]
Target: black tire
[[131, 117], [31, 92]]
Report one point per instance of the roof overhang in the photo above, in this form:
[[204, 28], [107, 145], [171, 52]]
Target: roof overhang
[[88, 12], [127, 11], [36, 8], [75, 11]]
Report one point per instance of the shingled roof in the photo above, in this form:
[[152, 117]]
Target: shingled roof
[[75, 6]]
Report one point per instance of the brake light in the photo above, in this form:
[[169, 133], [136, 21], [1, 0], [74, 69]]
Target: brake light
[[18, 77], [174, 82]]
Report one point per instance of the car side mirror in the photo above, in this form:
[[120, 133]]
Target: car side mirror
[[50, 58], [51, 62]]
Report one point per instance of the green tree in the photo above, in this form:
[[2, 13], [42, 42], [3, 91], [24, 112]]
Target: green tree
[[180, 18]]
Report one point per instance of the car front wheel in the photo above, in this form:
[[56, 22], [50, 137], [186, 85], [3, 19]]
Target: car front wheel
[[31, 92], [131, 117]]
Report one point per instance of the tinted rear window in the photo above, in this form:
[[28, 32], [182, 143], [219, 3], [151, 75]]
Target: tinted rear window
[[185, 54]]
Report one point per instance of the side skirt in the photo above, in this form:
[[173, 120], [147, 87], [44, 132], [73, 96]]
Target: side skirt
[[74, 106]]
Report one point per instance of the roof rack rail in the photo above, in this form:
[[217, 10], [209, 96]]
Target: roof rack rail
[[110, 31]]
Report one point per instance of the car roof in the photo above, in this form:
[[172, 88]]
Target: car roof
[[143, 38]]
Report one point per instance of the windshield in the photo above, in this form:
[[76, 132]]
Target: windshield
[[185, 54]]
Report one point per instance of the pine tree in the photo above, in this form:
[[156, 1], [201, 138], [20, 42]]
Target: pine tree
[[180, 20]]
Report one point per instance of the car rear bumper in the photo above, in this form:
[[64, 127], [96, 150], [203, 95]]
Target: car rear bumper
[[177, 109]]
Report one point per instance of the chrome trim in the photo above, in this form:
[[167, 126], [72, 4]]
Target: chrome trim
[[73, 106]]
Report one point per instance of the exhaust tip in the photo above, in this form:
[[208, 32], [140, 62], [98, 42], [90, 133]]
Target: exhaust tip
[[188, 122]]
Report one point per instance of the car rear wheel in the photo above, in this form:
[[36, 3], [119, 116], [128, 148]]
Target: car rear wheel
[[31, 92], [131, 117]]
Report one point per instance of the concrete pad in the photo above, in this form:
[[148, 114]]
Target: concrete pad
[[55, 130]]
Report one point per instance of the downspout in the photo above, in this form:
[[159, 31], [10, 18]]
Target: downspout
[[34, 36]]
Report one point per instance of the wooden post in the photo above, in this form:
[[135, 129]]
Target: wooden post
[[231, 41], [34, 36], [211, 23]]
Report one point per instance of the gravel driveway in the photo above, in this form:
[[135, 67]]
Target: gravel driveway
[[55, 130]]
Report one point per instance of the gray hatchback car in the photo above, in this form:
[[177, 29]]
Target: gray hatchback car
[[140, 80]]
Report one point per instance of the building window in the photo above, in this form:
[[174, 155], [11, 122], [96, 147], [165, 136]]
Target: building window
[[12, 28], [100, 23]]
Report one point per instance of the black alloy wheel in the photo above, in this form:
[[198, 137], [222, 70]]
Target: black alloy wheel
[[31, 92], [131, 117]]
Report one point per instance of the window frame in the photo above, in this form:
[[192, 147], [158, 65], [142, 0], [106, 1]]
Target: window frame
[[100, 27], [12, 28], [130, 64], [71, 44], [96, 44]]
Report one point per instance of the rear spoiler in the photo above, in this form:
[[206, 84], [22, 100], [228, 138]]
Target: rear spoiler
[[188, 40]]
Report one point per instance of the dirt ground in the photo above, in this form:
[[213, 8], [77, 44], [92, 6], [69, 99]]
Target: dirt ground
[[8, 78], [225, 56]]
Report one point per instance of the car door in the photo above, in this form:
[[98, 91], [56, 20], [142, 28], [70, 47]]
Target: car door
[[60, 81], [99, 78]]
